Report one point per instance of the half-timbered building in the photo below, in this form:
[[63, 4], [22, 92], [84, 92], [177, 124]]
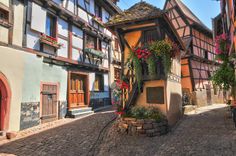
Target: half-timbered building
[[225, 22], [55, 58], [135, 27], [198, 63]]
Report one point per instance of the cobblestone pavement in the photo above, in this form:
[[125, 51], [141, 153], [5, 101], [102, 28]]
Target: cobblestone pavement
[[75, 138], [207, 132]]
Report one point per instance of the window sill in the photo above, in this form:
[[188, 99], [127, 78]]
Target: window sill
[[5, 24]]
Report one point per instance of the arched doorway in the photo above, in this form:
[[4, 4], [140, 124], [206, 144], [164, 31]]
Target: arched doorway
[[5, 97]]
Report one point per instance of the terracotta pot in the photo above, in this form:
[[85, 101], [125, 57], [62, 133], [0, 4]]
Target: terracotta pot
[[11, 135]]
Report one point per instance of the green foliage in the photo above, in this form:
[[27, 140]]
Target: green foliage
[[137, 68], [162, 49], [224, 77], [145, 113], [151, 61]]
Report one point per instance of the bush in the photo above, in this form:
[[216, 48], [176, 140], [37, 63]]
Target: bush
[[145, 113]]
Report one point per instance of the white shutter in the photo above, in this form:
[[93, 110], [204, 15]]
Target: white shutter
[[38, 18]]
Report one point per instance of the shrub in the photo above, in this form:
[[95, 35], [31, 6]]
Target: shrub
[[145, 113]]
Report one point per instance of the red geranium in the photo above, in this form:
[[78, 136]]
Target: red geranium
[[142, 53]]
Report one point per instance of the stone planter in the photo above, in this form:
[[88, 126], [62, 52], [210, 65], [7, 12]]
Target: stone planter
[[142, 127]]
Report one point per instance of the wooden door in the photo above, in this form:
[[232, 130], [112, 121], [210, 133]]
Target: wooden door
[[49, 103], [77, 91]]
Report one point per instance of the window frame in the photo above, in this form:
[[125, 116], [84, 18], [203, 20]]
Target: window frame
[[7, 22], [97, 42], [53, 25], [96, 6]]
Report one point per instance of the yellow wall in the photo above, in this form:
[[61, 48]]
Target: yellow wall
[[142, 98]]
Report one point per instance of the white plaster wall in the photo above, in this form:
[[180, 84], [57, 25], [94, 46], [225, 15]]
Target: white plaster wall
[[63, 51], [18, 23], [70, 5], [14, 72], [4, 34], [106, 82], [91, 81], [32, 40], [5, 2], [24, 73], [83, 15]]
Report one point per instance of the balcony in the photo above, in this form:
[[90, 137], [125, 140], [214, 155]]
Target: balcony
[[94, 56]]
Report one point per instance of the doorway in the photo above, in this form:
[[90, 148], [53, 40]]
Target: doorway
[[5, 97], [78, 90], [49, 102]]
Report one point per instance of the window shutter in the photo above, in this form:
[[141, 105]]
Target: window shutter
[[38, 18]]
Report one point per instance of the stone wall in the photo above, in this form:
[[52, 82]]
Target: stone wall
[[200, 97], [143, 127], [29, 115]]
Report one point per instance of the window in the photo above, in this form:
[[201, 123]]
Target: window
[[116, 44], [50, 26], [91, 42], [205, 54], [98, 11], [149, 36], [87, 5], [117, 73], [98, 84], [4, 15]]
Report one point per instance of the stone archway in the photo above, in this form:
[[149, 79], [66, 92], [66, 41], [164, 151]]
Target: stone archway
[[5, 98]]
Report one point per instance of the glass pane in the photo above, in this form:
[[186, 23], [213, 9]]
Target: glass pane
[[48, 26]]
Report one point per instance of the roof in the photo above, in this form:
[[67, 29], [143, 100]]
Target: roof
[[187, 12], [115, 7], [139, 11]]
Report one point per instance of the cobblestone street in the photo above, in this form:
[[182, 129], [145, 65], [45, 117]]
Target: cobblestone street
[[208, 131]]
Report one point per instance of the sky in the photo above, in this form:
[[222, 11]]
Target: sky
[[205, 10]]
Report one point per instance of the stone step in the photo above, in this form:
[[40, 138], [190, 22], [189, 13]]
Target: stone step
[[76, 115], [79, 110]]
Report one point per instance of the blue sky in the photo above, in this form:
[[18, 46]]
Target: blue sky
[[205, 10]]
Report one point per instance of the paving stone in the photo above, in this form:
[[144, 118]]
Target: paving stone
[[206, 132]]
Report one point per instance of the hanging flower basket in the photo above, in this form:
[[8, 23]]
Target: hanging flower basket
[[51, 41], [97, 53]]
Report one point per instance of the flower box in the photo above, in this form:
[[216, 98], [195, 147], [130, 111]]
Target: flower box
[[51, 41], [98, 20], [97, 53]]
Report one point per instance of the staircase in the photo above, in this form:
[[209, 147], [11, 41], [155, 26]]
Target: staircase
[[79, 112]]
